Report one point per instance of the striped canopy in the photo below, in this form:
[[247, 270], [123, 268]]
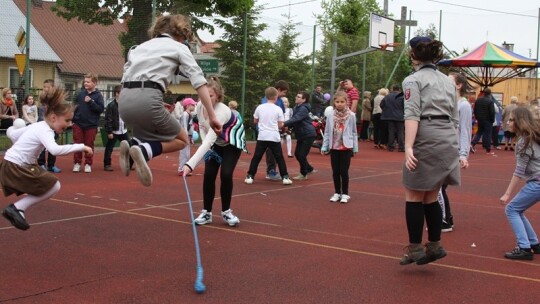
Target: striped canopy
[[490, 55]]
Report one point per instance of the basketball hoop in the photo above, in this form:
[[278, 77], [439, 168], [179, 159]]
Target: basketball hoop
[[383, 47]]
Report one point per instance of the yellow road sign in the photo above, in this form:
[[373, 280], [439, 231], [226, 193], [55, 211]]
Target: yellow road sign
[[20, 59], [20, 39]]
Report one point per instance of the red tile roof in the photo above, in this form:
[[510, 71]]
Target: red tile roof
[[83, 48], [209, 47]]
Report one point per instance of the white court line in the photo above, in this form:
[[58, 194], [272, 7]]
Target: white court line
[[65, 219]]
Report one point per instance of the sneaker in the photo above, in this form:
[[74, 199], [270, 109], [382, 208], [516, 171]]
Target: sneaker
[[535, 248], [287, 181], [519, 254], [204, 218], [143, 171], [300, 177], [249, 180], [87, 168], [108, 168], [273, 175], [490, 153], [230, 218], [312, 171], [434, 251], [43, 166], [15, 217], [344, 198], [336, 197], [414, 253], [53, 169], [446, 227], [124, 157], [77, 168], [473, 150]]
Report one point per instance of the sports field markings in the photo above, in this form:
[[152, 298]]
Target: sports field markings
[[65, 219], [277, 238]]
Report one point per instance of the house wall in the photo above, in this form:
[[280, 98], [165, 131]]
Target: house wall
[[526, 89], [40, 72]]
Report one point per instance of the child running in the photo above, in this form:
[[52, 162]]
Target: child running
[[19, 171], [219, 151], [150, 68], [522, 123], [341, 141]]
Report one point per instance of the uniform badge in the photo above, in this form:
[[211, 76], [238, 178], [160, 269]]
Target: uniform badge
[[407, 94]]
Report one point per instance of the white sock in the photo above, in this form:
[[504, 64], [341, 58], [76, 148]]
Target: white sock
[[29, 200], [148, 149]]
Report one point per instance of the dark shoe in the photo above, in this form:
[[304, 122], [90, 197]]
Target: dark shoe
[[535, 248], [290, 156], [505, 148], [414, 253], [519, 254], [401, 150], [446, 227], [108, 168], [434, 251], [12, 214], [511, 148]]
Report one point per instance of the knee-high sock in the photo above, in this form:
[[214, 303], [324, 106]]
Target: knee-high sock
[[29, 200], [433, 215], [414, 215]]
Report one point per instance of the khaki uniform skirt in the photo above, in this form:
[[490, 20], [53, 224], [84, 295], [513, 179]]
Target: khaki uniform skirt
[[436, 149], [30, 179], [142, 109]]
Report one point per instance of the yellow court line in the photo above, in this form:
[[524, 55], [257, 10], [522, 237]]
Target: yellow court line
[[492, 273]]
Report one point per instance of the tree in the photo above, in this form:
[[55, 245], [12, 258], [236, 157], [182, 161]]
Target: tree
[[259, 69], [347, 23], [138, 13]]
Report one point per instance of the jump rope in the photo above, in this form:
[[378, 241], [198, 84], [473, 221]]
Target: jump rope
[[199, 285]]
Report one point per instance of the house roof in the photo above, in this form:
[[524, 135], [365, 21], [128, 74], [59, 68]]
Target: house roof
[[11, 19], [83, 48]]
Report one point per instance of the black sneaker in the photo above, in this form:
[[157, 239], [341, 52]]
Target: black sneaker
[[446, 227], [535, 248], [519, 254], [13, 215]]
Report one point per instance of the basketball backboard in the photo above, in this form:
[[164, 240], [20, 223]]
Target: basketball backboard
[[381, 32]]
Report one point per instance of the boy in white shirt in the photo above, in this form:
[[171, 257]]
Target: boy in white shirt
[[269, 118]]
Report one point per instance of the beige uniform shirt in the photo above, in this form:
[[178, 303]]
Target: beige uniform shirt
[[429, 92], [159, 60]]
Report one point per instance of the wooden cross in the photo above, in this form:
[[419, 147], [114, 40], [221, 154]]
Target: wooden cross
[[404, 22]]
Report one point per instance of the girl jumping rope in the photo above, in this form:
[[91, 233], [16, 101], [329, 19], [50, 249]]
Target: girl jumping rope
[[19, 171], [341, 141]]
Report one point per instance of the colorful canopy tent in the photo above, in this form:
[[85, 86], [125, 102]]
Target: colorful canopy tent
[[494, 63]]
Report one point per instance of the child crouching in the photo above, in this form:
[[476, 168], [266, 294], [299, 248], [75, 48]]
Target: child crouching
[[19, 171]]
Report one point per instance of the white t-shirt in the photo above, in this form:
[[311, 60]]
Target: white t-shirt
[[28, 142], [269, 115]]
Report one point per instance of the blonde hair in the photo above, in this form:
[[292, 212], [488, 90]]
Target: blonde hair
[[92, 77], [383, 91], [214, 84], [513, 99], [174, 25], [285, 100], [270, 93], [233, 104]]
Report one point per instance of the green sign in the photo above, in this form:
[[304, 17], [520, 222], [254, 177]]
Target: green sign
[[209, 65]]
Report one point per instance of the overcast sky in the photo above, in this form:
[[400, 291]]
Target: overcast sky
[[465, 23]]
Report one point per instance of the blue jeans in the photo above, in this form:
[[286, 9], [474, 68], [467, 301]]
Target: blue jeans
[[526, 198]]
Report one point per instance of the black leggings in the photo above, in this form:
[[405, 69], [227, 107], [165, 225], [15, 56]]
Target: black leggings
[[230, 156], [341, 161]]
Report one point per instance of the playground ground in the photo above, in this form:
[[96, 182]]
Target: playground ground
[[106, 239]]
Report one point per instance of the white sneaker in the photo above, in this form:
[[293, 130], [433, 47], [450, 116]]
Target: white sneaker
[[248, 180], [77, 168], [335, 198], [87, 168], [287, 181], [344, 198], [124, 157], [230, 218], [143, 171], [204, 218]]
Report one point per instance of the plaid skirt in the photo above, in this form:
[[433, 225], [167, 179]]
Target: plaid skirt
[[30, 179]]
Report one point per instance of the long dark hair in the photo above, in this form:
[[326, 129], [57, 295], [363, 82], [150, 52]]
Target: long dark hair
[[427, 51]]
